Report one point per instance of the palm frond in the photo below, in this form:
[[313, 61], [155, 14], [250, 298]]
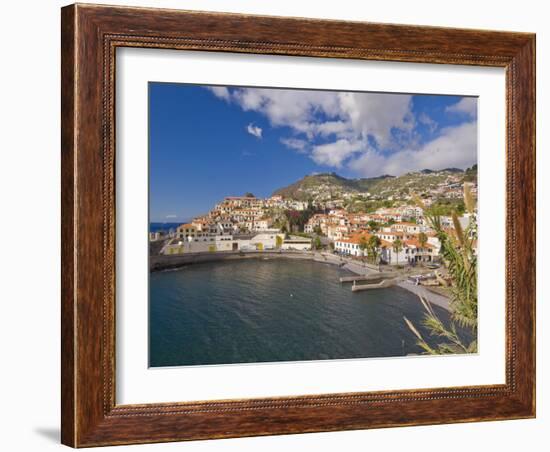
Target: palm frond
[[457, 254], [468, 198]]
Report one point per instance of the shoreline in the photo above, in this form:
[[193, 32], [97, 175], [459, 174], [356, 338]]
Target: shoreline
[[172, 262]]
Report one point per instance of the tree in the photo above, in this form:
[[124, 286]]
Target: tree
[[363, 245], [249, 195], [457, 250], [296, 219], [372, 245], [397, 246], [373, 225], [317, 243]]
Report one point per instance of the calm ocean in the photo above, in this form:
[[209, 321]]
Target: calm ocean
[[274, 310], [154, 227]]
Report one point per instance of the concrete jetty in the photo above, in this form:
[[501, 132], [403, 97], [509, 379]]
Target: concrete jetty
[[379, 285], [424, 292], [370, 277]]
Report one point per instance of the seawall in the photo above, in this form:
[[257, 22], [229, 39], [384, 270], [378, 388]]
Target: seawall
[[165, 262]]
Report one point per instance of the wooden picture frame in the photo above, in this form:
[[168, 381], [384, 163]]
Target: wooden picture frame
[[90, 36]]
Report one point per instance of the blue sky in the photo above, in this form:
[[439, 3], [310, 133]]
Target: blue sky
[[209, 142]]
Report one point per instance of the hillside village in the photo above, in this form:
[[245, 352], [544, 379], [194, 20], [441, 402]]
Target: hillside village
[[382, 219]]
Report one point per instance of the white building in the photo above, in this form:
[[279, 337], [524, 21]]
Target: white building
[[412, 211], [297, 243], [352, 245], [337, 231], [409, 228], [263, 241], [263, 224], [154, 236], [201, 244], [297, 205]]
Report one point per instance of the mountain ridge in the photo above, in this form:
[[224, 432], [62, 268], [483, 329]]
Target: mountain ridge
[[312, 185]]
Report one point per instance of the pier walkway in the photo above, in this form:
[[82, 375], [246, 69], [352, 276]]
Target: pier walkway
[[432, 297], [379, 285]]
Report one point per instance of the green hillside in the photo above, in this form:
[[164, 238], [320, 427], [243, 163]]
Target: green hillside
[[332, 185], [309, 186]]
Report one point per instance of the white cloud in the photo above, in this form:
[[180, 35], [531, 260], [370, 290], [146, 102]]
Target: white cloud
[[338, 129], [295, 143], [377, 114], [285, 107], [326, 113], [254, 130], [466, 105], [171, 216], [455, 147], [336, 153], [220, 91], [432, 125], [332, 127]]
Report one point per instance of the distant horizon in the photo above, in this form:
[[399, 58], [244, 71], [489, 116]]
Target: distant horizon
[[209, 142]]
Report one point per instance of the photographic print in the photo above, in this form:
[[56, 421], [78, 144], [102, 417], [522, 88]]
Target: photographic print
[[302, 225]]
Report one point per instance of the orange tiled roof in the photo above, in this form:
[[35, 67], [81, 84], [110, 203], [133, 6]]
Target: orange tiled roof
[[356, 237], [416, 244], [399, 233]]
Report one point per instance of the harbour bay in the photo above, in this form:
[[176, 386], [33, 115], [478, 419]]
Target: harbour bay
[[273, 310]]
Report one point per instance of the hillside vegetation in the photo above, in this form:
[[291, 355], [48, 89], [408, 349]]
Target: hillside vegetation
[[331, 185]]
